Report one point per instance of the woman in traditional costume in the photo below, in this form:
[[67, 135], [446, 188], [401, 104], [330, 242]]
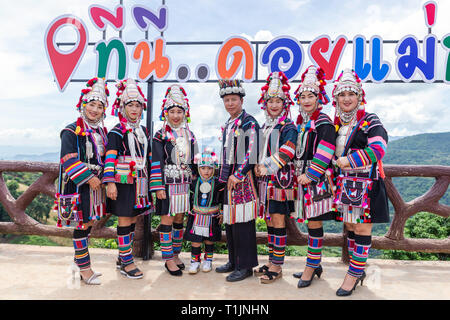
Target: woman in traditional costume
[[361, 194], [275, 171], [81, 195], [313, 155], [128, 154], [174, 147]]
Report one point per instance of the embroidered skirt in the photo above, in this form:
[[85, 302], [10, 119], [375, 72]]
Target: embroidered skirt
[[177, 200], [203, 224]]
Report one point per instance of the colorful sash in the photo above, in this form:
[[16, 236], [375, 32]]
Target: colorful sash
[[203, 220]]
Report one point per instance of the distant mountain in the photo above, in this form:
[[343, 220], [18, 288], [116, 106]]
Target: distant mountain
[[393, 138], [45, 157], [10, 152], [427, 148]]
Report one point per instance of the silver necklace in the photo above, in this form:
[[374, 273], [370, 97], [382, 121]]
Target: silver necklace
[[346, 117]]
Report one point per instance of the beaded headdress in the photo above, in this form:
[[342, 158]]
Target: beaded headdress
[[96, 90], [277, 86], [231, 87], [348, 80], [313, 80], [207, 158], [127, 91], [175, 97]]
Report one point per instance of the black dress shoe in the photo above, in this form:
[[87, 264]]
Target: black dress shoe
[[181, 266], [239, 275], [227, 267], [306, 283], [174, 273]]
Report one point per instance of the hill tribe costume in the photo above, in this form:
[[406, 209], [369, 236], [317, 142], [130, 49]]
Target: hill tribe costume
[[239, 152], [128, 154], [276, 188], [361, 193], [313, 155], [203, 221], [173, 168], [82, 158]]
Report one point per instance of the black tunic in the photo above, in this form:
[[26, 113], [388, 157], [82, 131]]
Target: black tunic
[[73, 163], [125, 205], [323, 132], [241, 237], [367, 146], [216, 194], [163, 149], [281, 180]]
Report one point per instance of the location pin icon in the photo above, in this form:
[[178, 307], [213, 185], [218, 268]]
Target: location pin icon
[[65, 63]]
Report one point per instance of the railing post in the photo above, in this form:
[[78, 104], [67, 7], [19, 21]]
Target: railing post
[[344, 256]]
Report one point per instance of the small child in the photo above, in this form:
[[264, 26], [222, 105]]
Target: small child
[[203, 223]]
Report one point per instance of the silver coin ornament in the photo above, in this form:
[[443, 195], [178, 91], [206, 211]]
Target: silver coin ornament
[[205, 187]]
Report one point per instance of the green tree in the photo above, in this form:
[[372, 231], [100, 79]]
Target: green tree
[[13, 187], [39, 208]]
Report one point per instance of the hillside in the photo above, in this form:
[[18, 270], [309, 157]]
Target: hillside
[[422, 149], [427, 148]]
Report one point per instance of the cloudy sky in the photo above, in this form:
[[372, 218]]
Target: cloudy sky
[[33, 111]]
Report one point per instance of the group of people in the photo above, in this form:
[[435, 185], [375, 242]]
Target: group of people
[[312, 170]]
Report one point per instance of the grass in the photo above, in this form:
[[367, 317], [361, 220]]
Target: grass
[[30, 240]]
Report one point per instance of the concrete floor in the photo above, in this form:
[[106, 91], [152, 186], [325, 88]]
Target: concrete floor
[[34, 272]]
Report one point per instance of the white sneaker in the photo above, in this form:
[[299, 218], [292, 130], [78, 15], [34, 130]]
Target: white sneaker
[[194, 267], [207, 266]]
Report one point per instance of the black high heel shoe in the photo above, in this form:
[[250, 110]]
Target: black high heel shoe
[[306, 283], [174, 273], [343, 293]]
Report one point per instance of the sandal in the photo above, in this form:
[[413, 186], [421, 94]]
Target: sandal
[[272, 276], [93, 280], [260, 271], [132, 273]]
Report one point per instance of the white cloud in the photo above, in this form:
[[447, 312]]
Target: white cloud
[[294, 4], [30, 136], [261, 35]]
